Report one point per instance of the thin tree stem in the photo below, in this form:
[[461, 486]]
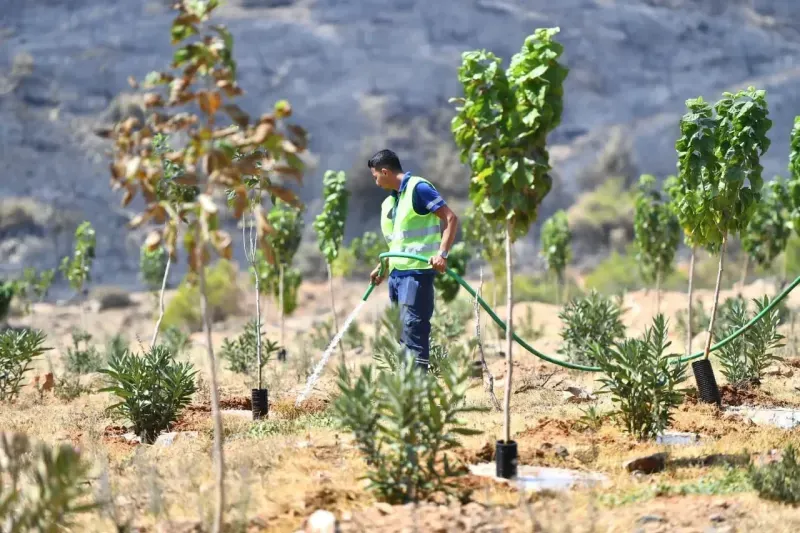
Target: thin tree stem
[[486, 371], [283, 315], [333, 309], [219, 461], [689, 331], [707, 350], [509, 337], [745, 268], [161, 301]]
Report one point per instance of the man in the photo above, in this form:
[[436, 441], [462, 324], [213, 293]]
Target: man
[[414, 219]]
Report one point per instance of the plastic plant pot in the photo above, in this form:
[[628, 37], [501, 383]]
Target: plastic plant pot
[[260, 403], [282, 355], [505, 458], [706, 382], [477, 369]]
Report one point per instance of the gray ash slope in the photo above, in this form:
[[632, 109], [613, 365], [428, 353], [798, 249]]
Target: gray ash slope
[[361, 75]]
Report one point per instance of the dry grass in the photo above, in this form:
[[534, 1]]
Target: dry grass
[[281, 470]]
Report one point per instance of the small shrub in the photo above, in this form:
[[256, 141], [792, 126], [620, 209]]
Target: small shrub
[[745, 359], [242, 352], [778, 481], [183, 310], [7, 291], [700, 319], [116, 346], [109, 297], [43, 487], [586, 321], [83, 357], [152, 265], [152, 389], [176, 340], [404, 423], [18, 349], [69, 387], [457, 260], [642, 380]]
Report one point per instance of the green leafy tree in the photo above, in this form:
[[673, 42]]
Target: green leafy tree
[[77, 269], [769, 230], [365, 250], [457, 261], [656, 234], [556, 238], [794, 175], [501, 129], [193, 102], [329, 226], [152, 266], [719, 181]]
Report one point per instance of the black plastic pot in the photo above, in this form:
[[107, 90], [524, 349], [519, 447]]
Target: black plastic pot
[[505, 459], [477, 369], [260, 403], [282, 355], [707, 389]]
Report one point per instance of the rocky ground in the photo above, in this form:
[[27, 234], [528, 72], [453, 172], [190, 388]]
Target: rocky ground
[[282, 471], [362, 75]]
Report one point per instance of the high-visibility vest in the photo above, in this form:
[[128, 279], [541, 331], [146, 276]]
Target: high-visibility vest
[[409, 232]]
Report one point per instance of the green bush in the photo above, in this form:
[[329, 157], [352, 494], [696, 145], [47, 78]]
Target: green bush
[[18, 349], [593, 319], [457, 260], [183, 309], [7, 291], [152, 265], [529, 288], [43, 486], [745, 359], [242, 352], [642, 380], [176, 340], [778, 481], [152, 389], [404, 424], [83, 357]]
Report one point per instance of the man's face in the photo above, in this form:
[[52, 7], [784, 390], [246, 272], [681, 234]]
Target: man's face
[[381, 178]]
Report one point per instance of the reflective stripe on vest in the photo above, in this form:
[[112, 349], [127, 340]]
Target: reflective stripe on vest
[[410, 233]]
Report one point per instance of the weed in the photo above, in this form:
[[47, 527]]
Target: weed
[[83, 357], [745, 359], [18, 349], [404, 423], [152, 389], [271, 428], [589, 320], [642, 381], [778, 481], [69, 387]]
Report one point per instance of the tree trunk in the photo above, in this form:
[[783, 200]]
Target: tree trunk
[[509, 337], [689, 331], [283, 315], [259, 352], [161, 302], [219, 462], [716, 296], [745, 267], [658, 292], [333, 310]]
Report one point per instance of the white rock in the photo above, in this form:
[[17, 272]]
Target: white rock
[[321, 522]]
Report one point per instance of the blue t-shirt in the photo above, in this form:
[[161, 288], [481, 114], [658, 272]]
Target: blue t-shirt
[[425, 199]]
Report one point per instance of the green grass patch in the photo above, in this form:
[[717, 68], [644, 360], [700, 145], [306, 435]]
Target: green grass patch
[[272, 428]]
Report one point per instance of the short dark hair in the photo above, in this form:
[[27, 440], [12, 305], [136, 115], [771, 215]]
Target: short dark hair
[[385, 159]]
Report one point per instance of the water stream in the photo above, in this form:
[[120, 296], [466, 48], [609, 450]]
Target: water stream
[[312, 379]]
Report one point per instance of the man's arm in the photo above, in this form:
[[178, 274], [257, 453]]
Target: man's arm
[[450, 228]]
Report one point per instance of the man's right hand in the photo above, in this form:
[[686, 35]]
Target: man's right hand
[[375, 276]]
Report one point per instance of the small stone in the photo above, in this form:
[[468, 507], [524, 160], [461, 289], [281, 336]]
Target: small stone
[[321, 522], [716, 518], [132, 437], [649, 464], [383, 508], [651, 519], [561, 451], [168, 439]]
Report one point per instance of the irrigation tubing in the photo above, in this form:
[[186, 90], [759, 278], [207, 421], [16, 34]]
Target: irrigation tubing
[[566, 364]]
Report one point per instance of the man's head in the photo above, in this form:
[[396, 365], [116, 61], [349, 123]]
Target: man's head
[[386, 169]]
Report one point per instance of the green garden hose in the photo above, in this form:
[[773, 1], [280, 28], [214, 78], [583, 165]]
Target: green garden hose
[[567, 364]]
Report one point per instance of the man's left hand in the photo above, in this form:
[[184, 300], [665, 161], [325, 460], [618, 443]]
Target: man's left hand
[[438, 263]]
